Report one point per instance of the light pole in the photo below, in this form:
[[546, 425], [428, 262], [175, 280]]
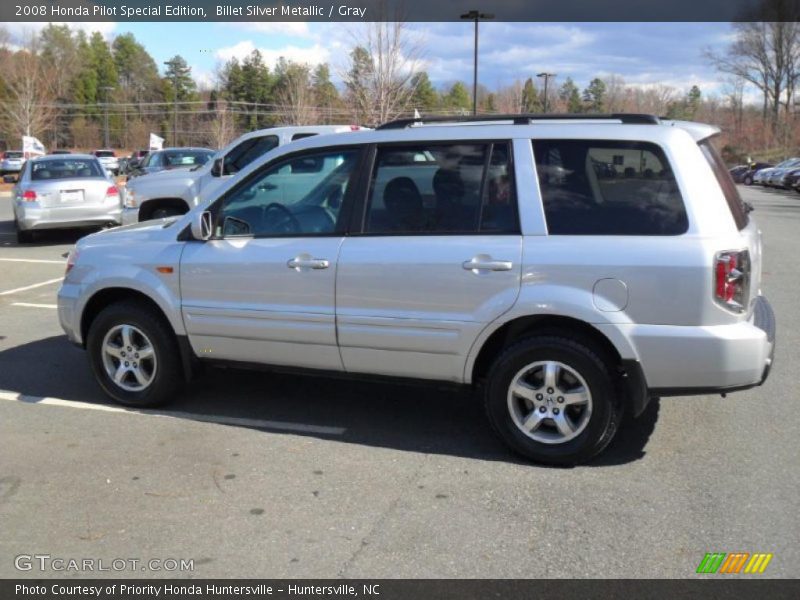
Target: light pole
[[476, 16], [546, 77], [106, 89]]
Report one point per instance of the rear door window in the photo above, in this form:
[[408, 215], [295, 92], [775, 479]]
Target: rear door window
[[597, 187], [442, 189]]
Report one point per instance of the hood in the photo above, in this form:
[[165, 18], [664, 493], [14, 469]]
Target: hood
[[143, 231], [164, 175]]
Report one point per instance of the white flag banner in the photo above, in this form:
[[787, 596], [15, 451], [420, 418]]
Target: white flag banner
[[31, 146], [156, 143], [416, 114]]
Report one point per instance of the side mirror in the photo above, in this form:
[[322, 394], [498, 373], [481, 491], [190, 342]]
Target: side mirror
[[9, 179], [201, 226], [217, 169]]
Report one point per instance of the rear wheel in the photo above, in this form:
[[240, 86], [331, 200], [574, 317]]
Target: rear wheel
[[23, 237], [553, 400], [134, 355], [163, 213], [748, 180]]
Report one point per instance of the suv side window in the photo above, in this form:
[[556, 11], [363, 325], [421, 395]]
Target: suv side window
[[442, 189], [246, 152], [597, 187], [285, 199]]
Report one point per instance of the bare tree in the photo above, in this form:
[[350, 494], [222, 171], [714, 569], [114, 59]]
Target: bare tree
[[615, 93], [295, 95], [509, 99], [765, 53], [381, 70], [222, 129], [27, 107]]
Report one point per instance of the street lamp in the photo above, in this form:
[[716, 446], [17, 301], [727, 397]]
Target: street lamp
[[106, 89], [476, 16], [546, 77]]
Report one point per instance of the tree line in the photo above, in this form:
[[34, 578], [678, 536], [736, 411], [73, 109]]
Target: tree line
[[72, 89]]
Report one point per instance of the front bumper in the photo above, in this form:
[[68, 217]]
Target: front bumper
[[60, 217], [688, 361], [68, 312]]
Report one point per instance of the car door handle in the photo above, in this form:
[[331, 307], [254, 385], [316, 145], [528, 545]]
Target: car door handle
[[304, 262], [484, 263]]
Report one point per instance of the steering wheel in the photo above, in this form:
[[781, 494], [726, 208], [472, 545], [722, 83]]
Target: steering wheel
[[289, 223]]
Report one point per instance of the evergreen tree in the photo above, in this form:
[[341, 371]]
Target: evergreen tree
[[326, 96], [458, 97], [530, 97], [568, 93], [424, 96], [594, 95]]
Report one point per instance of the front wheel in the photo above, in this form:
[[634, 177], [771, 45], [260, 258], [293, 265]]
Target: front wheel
[[748, 180], [134, 355], [553, 400]]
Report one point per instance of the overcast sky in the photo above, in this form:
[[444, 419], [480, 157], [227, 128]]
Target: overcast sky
[[642, 53]]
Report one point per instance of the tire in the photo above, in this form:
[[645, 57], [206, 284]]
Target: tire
[[748, 180], [162, 213], [147, 328], [23, 237], [581, 367]]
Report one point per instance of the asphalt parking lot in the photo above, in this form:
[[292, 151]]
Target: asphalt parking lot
[[265, 475]]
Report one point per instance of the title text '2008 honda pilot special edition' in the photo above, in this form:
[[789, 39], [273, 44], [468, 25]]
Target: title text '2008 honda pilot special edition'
[[571, 268]]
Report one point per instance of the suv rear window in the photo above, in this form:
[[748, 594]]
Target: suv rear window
[[735, 202], [104, 153], [599, 187], [13, 155]]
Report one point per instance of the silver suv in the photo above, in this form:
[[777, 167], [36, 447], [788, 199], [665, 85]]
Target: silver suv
[[571, 268]]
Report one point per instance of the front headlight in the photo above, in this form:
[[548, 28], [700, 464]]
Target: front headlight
[[130, 198]]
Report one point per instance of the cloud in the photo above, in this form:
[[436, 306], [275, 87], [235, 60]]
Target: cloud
[[312, 55], [104, 27], [296, 29]]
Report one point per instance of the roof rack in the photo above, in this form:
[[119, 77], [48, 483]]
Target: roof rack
[[524, 119]]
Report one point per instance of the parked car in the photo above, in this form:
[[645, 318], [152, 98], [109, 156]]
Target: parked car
[[748, 176], [11, 162], [64, 192], [769, 177], [108, 158], [792, 179], [170, 193], [568, 300], [171, 158], [738, 172], [133, 161]]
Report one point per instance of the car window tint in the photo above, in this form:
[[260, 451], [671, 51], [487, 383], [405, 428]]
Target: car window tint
[[288, 199], [596, 187], [441, 188], [246, 152]]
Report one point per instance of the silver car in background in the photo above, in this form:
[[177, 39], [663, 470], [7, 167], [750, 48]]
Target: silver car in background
[[55, 192], [108, 158], [11, 161]]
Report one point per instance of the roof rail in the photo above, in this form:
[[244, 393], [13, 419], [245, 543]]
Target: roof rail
[[524, 119]]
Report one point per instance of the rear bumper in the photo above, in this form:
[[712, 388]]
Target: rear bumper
[[689, 361], [130, 215], [36, 218]]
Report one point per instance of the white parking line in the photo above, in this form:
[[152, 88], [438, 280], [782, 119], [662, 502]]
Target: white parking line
[[220, 419], [31, 305], [33, 260], [30, 287]]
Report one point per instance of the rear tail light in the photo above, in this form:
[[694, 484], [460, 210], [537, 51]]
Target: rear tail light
[[112, 192], [732, 279], [355, 128], [29, 196]]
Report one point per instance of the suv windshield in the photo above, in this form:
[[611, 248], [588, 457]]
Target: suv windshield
[[13, 155]]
